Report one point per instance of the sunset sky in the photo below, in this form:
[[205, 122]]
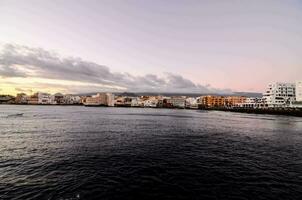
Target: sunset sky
[[157, 45]]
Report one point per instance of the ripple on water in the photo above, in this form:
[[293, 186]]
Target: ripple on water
[[118, 153]]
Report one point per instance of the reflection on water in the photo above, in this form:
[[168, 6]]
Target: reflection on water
[[74, 152]]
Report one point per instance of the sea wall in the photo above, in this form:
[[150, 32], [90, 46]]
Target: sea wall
[[269, 111]]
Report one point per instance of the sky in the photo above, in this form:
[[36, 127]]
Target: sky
[[198, 46]]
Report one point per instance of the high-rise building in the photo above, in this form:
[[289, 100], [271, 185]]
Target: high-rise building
[[299, 91], [279, 94]]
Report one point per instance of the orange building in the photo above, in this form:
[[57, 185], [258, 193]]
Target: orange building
[[234, 100], [221, 101], [212, 101]]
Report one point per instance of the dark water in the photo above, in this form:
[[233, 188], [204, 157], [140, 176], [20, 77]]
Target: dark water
[[54, 152]]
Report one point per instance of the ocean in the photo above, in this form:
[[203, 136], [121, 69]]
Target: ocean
[[76, 152]]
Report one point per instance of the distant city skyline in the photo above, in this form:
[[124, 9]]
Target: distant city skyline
[[148, 46]]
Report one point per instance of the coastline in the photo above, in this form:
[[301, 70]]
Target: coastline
[[264, 111]]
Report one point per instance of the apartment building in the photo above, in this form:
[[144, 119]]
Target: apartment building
[[44, 98], [212, 101], [176, 102], [100, 99], [71, 99], [232, 101], [299, 91], [191, 102], [279, 94], [251, 102]]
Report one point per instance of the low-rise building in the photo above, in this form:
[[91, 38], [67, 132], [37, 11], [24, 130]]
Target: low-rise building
[[33, 99], [100, 99], [21, 98], [44, 98], [191, 103], [151, 103], [232, 101], [176, 102], [299, 91], [71, 99], [251, 102], [135, 102], [57, 98], [122, 101]]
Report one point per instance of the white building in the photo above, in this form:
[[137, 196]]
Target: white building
[[279, 94], [191, 102], [177, 102], [44, 98], [135, 102], [251, 102], [110, 99], [299, 91], [151, 103], [71, 99]]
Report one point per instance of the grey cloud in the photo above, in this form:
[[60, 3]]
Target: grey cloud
[[179, 81], [8, 71], [23, 61], [48, 65]]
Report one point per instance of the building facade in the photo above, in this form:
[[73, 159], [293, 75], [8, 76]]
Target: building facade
[[191, 103], [176, 102], [279, 94], [299, 91], [21, 98], [57, 98], [122, 101], [33, 99], [71, 99], [212, 101], [232, 101], [44, 98], [110, 99], [100, 99], [251, 102]]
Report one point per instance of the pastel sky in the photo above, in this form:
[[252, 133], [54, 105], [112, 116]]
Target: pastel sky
[[156, 45]]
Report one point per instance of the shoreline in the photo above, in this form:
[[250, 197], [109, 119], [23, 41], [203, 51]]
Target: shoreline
[[263, 111]]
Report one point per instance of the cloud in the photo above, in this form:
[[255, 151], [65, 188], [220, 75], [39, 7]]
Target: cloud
[[18, 61], [24, 90]]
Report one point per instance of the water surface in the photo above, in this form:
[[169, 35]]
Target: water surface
[[75, 152]]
